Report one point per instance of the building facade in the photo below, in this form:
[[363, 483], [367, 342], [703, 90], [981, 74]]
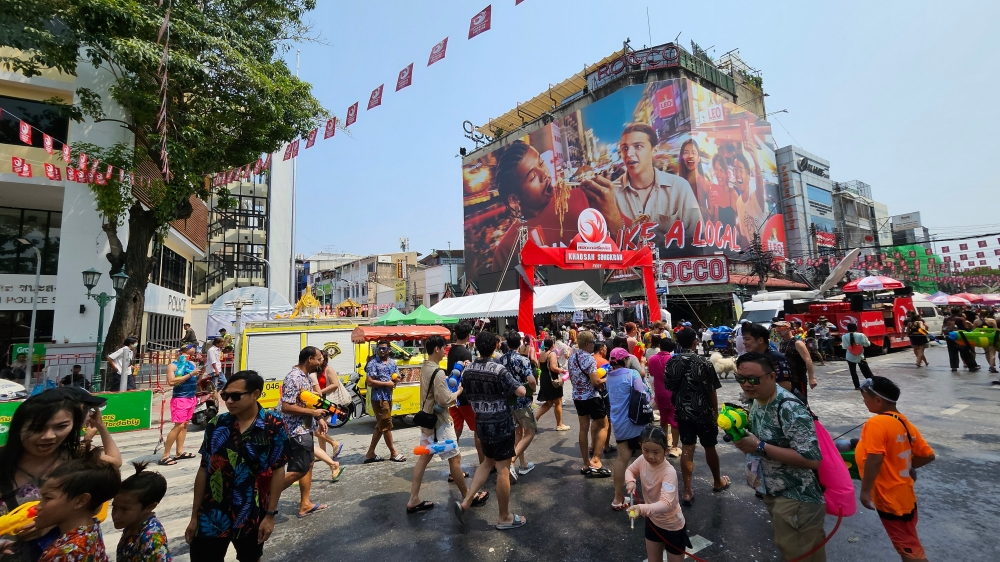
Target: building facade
[[807, 203], [374, 283], [438, 273]]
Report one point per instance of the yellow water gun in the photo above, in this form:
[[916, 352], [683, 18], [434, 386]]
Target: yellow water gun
[[18, 519]]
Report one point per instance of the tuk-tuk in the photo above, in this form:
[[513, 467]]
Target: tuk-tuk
[[406, 350]]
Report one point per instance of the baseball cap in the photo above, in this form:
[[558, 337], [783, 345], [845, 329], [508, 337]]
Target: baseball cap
[[619, 353], [688, 324], [74, 393], [781, 324]]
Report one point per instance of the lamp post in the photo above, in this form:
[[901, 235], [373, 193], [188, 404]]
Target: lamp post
[[267, 282], [90, 279], [34, 311]]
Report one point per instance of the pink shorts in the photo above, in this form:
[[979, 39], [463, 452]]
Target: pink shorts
[[181, 409], [666, 409]]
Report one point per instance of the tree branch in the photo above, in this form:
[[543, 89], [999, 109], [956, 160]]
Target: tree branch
[[125, 124], [117, 254]]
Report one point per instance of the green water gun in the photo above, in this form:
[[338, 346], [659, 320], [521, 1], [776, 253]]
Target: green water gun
[[733, 420]]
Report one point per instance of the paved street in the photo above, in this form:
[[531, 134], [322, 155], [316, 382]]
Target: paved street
[[569, 517]]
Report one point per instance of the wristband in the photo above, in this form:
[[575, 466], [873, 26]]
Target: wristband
[[760, 449]]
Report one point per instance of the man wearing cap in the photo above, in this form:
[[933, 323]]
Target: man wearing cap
[[890, 450], [182, 376], [379, 378], [823, 335]]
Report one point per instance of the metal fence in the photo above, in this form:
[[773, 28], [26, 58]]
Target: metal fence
[[151, 374]]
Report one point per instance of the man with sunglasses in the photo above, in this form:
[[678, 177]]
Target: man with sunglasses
[[783, 455], [243, 455], [378, 373]]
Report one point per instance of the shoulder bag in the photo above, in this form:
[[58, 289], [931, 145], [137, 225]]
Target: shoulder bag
[[340, 396], [640, 412], [557, 380], [427, 420]]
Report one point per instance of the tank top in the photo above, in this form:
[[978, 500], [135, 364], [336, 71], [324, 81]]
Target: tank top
[[543, 366], [797, 365], [187, 388]]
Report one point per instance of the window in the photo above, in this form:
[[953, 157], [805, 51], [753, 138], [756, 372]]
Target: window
[[43, 116], [169, 269], [819, 195], [42, 228]]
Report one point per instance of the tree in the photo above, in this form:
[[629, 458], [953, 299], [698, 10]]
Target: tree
[[228, 98]]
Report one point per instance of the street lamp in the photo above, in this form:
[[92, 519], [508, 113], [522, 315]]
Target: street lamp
[[90, 279], [25, 243], [267, 282]]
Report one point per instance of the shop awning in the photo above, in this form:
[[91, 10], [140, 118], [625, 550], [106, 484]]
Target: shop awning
[[391, 318], [361, 334], [566, 297], [422, 316]]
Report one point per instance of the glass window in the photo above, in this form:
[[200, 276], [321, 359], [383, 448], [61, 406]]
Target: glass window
[[43, 116], [10, 230], [819, 195], [42, 228], [822, 224]]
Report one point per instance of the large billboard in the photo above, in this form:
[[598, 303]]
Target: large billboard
[[667, 164]]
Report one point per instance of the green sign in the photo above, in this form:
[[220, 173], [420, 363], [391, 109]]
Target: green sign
[[125, 411], [19, 348]]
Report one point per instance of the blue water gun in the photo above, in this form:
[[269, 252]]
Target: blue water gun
[[436, 448], [183, 366], [455, 379]]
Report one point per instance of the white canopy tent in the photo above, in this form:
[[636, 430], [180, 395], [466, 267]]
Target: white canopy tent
[[221, 315], [567, 297]]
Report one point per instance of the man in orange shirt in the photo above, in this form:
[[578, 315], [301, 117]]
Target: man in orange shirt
[[890, 450]]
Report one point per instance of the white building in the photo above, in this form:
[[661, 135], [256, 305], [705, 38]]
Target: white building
[[376, 283], [436, 274]]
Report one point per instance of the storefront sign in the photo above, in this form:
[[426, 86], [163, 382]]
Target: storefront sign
[[164, 301], [17, 292], [664, 56], [706, 270], [826, 239], [125, 411], [19, 348]]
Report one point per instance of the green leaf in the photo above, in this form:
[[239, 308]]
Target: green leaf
[[215, 483], [233, 457]]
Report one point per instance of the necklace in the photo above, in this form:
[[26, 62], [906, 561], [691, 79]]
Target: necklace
[[37, 479]]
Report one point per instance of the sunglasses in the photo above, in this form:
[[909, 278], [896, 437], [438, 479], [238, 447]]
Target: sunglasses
[[743, 380], [383, 349], [234, 396]]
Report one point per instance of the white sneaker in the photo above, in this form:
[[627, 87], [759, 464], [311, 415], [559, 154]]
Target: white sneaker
[[522, 470], [513, 473]]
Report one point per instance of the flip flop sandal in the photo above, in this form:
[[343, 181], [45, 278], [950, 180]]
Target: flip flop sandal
[[336, 476], [688, 503], [517, 522], [337, 454], [618, 506], [456, 508], [398, 458], [724, 487], [481, 498], [166, 461], [422, 506], [185, 456], [376, 458], [452, 480], [315, 509]]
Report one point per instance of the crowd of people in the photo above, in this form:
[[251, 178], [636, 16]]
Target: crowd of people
[[250, 455]]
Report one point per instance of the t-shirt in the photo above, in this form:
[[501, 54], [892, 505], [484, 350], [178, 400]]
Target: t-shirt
[[122, 360], [83, 544], [656, 367], [458, 354], [857, 338], [581, 365], [295, 382], [487, 385], [692, 379], [441, 395], [785, 422], [381, 371], [659, 492], [620, 384], [782, 370], [213, 361], [148, 545], [885, 435], [519, 366]]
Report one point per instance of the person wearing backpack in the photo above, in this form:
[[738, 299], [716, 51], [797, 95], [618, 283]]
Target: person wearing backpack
[[620, 383], [854, 344], [891, 448], [783, 457]]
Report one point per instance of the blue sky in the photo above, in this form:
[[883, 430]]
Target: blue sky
[[898, 95]]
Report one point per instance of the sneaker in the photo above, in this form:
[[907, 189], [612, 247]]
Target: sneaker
[[522, 470], [513, 473]]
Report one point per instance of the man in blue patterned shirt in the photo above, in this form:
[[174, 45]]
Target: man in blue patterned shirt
[[241, 477], [301, 421], [519, 366], [378, 373]]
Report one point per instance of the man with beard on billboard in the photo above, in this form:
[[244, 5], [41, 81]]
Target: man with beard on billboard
[[645, 193], [525, 186]]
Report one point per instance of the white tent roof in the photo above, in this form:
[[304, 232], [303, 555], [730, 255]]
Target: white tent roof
[[567, 297], [258, 295]]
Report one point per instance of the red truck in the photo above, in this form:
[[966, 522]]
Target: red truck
[[883, 319]]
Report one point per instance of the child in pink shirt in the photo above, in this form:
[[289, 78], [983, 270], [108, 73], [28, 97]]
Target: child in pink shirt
[[665, 528]]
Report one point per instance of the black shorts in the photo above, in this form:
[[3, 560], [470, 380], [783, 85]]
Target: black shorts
[[595, 408], [673, 541], [693, 431], [300, 454], [213, 549], [633, 444], [499, 450]]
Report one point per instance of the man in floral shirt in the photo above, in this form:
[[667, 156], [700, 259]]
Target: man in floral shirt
[[591, 406], [301, 421], [241, 477]]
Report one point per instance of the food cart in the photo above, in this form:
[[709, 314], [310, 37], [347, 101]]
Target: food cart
[[405, 350]]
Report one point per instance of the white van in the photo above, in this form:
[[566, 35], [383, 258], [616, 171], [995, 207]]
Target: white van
[[932, 317]]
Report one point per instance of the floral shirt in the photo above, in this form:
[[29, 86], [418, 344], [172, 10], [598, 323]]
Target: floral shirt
[[149, 544], [295, 382], [785, 422], [520, 367], [83, 544], [581, 365], [381, 371], [235, 463]]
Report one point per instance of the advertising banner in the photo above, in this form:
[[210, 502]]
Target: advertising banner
[[125, 411], [666, 164]]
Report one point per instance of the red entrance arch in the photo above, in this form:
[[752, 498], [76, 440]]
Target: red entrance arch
[[533, 255]]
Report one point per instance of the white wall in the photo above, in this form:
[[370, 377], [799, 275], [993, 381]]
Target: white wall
[[279, 239]]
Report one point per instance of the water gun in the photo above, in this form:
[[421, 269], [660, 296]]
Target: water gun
[[395, 377], [980, 337], [602, 371], [183, 368], [436, 448], [455, 379], [632, 511], [18, 519], [316, 401], [733, 420]]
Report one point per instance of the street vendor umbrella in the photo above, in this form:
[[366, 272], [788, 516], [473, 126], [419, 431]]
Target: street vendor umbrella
[[972, 298], [872, 283], [937, 294], [990, 298], [391, 318], [946, 300], [422, 316]]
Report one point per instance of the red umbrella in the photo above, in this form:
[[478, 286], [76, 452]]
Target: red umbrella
[[971, 297], [872, 283]]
